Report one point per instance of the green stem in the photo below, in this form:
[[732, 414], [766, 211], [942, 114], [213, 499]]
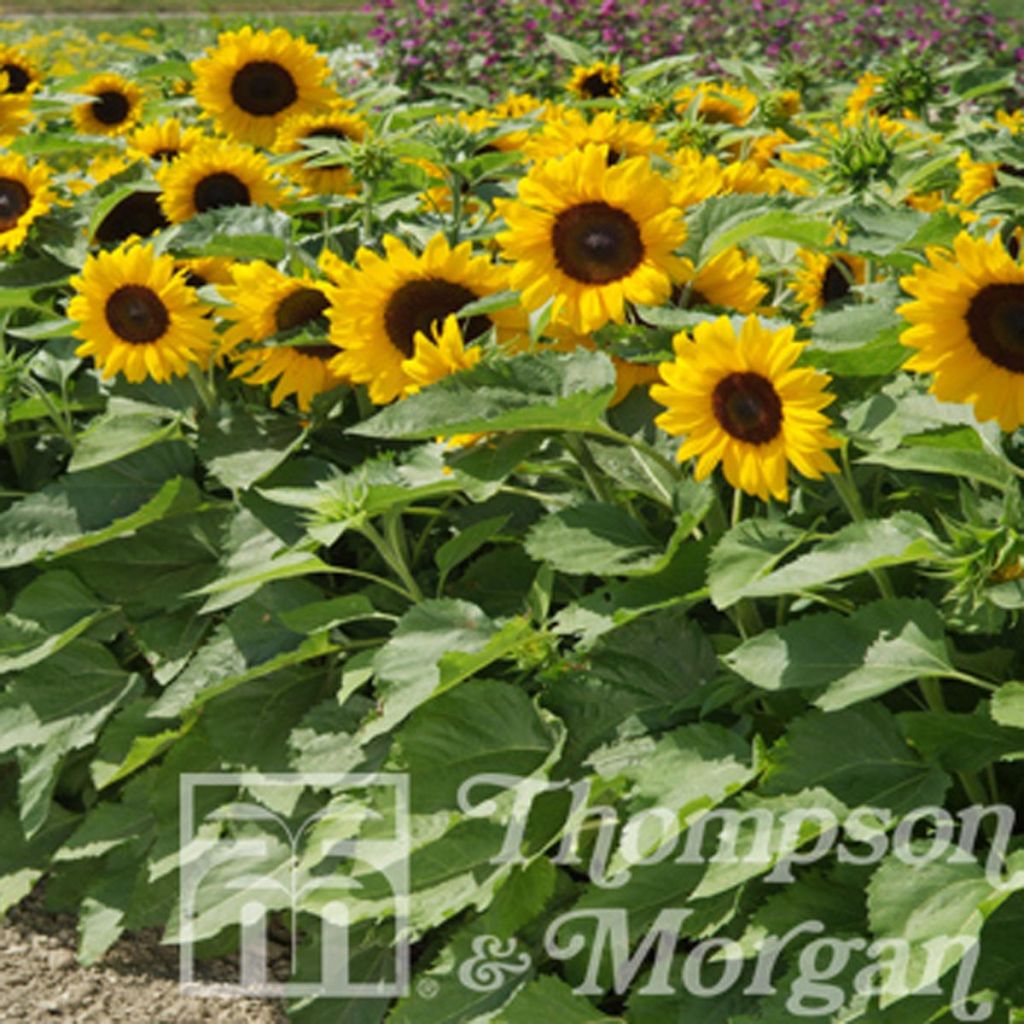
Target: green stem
[[455, 187], [590, 469], [207, 395], [393, 558]]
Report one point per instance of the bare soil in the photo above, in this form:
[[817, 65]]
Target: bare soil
[[41, 981]]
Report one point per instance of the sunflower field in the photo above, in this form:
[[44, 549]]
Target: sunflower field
[[626, 455]]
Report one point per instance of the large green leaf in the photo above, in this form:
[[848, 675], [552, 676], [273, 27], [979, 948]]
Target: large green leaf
[[746, 553], [852, 657], [542, 391], [860, 756], [241, 447], [854, 549]]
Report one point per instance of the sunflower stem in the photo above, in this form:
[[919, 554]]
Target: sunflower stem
[[207, 394], [455, 187], [393, 559], [590, 469]]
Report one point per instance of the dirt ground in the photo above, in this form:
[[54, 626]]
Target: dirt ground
[[135, 983]]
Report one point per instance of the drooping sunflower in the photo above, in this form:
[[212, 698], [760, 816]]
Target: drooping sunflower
[[729, 279], [25, 196], [136, 315], [741, 402], [718, 102], [297, 133], [592, 237], [968, 327], [825, 280], [114, 108], [252, 81], [162, 141], [21, 75], [596, 81], [377, 309], [213, 174]]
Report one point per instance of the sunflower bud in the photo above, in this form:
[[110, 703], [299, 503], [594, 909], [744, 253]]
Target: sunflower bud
[[860, 155]]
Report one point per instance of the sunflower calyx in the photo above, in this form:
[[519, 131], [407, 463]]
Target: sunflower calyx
[[860, 156]]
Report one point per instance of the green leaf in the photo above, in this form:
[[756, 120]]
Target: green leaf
[[854, 549], [97, 505], [593, 538], [536, 391], [408, 665], [853, 657], [568, 50], [467, 542], [106, 826], [550, 999], [112, 437], [931, 904], [240, 232], [860, 756], [481, 726], [776, 224], [241, 447], [744, 554], [974, 465], [1008, 705], [23, 862], [958, 742]]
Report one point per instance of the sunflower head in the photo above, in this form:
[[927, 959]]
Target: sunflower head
[[967, 327], [137, 315], [302, 134], [592, 237], [213, 174], [378, 309], [19, 73], [25, 195], [741, 402], [253, 81], [438, 356], [163, 141], [826, 280], [113, 109], [596, 81], [137, 215], [717, 102]]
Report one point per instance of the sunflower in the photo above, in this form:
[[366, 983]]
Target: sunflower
[[252, 81], [718, 102], [573, 131], [697, 177], [136, 314], [825, 280], [377, 309], [114, 108], [15, 113], [213, 174], [592, 237], [21, 74], [439, 356], [24, 197], [297, 133], [729, 279], [968, 327], [741, 402], [164, 140], [137, 215], [866, 90], [596, 81]]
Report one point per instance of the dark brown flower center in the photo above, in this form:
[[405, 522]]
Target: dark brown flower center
[[596, 86], [166, 153], [220, 189], [748, 407], [418, 305], [17, 77], [300, 307], [136, 214], [835, 285], [324, 352], [110, 107], [1011, 170], [263, 88], [136, 314], [995, 319], [596, 243], [14, 201]]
